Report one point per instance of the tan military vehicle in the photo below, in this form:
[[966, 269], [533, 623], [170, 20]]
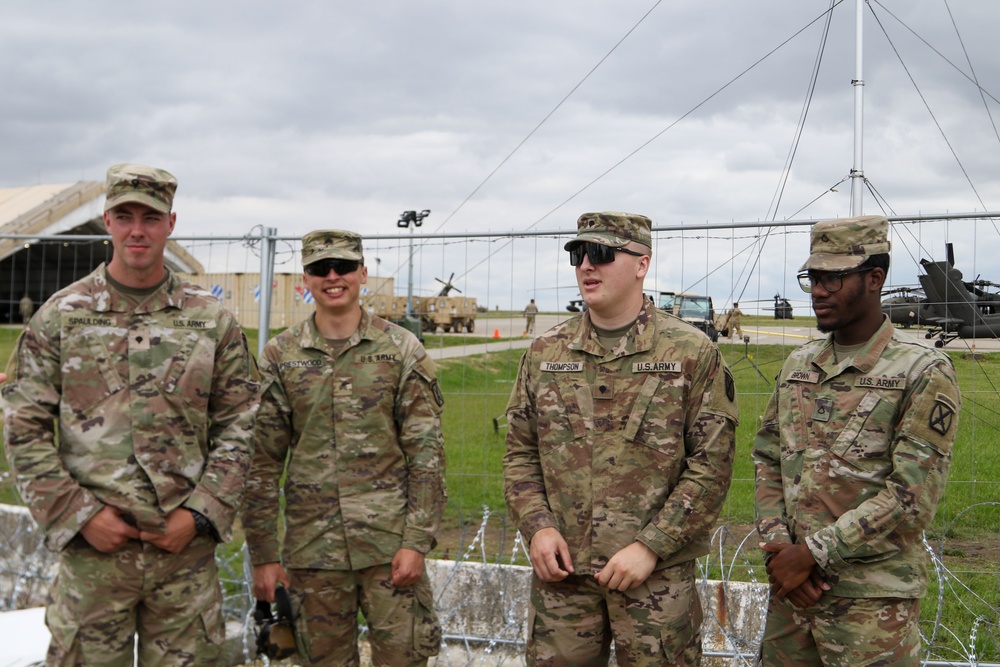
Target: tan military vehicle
[[449, 313]]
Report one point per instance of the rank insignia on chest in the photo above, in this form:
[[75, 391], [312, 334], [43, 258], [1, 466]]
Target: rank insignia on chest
[[824, 410], [138, 340], [604, 390]]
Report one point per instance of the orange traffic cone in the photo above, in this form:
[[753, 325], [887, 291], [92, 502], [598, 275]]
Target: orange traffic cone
[[496, 333]]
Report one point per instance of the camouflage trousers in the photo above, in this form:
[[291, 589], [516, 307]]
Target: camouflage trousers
[[101, 601], [403, 627], [572, 622], [843, 632]]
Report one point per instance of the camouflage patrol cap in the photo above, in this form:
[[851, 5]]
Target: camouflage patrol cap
[[838, 245], [138, 183], [612, 228], [331, 244]]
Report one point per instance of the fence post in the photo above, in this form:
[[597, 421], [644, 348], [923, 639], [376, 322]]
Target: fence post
[[267, 245]]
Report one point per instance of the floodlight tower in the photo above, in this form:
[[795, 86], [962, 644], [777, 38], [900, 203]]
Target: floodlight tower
[[417, 219]]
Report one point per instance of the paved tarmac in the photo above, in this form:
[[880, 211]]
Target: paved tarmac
[[511, 331]]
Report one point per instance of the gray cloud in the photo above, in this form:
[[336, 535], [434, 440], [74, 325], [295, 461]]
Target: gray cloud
[[315, 113]]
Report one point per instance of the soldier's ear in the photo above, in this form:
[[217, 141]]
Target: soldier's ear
[[877, 278], [643, 268]]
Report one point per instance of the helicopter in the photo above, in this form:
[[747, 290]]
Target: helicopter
[[448, 286], [955, 308], [906, 306]]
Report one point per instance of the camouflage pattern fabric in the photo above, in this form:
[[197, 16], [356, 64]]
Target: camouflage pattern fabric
[[612, 228], [403, 626], [138, 183], [657, 623], [852, 459], [155, 408], [361, 432], [845, 243], [610, 447], [98, 603], [331, 244], [843, 632]]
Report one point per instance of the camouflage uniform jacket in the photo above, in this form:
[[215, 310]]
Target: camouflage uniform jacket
[[613, 447], [155, 407], [852, 459], [361, 433]]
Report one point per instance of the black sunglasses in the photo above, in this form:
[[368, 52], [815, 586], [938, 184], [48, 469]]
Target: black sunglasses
[[341, 267], [596, 253]]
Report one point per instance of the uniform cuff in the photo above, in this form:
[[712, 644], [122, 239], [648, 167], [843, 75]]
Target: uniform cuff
[[663, 544], [824, 551], [535, 523], [219, 514], [268, 552], [59, 535], [416, 540]]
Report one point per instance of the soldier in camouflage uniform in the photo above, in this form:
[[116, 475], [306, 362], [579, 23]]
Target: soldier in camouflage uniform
[[734, 322], [851, 459], [619, 455], [154, 391], [351, 414], [530, 311]]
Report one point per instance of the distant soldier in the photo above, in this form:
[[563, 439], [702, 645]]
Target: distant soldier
[[351, 417], [529, 316], [27, 308], [852, 458], [619, 455], [734, 321], [129, 429]]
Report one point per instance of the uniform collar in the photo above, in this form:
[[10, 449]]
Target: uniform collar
[[865, 359], [311, 337], [637, 339], [106, 299]]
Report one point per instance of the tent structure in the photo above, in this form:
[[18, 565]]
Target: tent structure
[[37, 263]]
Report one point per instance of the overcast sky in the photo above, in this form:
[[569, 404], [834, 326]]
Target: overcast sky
[[307, 115]]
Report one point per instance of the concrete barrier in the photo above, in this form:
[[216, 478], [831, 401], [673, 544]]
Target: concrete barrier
[[484, 610]]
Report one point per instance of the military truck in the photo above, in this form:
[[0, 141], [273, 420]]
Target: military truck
[[693, 309], [450, 313]]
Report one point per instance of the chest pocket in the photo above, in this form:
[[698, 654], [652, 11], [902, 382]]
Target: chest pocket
[[657, 416], [189, 374], [89, 372], [563, 410], [864, 441]]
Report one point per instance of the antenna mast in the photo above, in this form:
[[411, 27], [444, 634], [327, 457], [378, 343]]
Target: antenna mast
[[857, 171]]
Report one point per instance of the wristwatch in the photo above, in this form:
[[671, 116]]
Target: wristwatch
[[202, 525]]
